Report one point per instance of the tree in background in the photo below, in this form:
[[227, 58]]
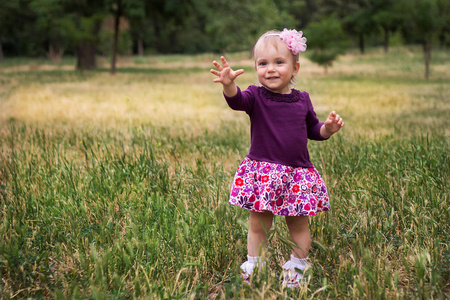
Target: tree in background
[[424, 21], [50, 23], [167, 22], [359, 20], [54, 27], [117, 10], [17, 31], [235, 25], [326, 41], [71, 24], [193, 38], [139, 24], [83, 20], [8, 11], [444, 35], [301, 10], [388, 15]]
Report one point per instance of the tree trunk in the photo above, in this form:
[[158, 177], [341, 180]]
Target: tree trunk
[[427, 56], [1, 50], [85, 54], [158, 40], [441, 38], [361, 43], [55, 53], [140, 46], [116, 36]]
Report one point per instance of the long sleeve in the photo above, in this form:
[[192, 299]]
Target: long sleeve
[[312, 123], [242, 101]]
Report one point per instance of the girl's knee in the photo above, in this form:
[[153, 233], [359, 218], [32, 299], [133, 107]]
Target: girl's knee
[[260, 222], [298, 223]]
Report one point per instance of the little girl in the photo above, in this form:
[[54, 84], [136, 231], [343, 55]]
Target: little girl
[[277, 176]]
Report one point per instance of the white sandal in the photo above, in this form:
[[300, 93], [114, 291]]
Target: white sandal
[[292, 278], [248, 267]]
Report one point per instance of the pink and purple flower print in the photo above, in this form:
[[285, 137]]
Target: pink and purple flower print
[[283, 190]]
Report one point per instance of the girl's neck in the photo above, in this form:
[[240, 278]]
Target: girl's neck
[[288, 91]]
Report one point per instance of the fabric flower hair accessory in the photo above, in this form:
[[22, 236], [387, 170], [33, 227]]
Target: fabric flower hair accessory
[[294, 40]]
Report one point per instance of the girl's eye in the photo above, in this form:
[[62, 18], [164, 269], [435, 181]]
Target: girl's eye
[[263, 63], [279, 62]]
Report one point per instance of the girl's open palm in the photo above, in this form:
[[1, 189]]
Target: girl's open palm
[[225, 74], [333, 123]]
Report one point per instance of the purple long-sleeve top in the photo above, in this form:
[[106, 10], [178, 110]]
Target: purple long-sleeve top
[[281, 125]]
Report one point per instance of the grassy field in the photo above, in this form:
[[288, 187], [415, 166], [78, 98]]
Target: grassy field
[[116, 187]]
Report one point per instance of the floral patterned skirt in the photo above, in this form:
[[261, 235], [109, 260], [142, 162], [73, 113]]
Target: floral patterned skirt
[[283, 190]]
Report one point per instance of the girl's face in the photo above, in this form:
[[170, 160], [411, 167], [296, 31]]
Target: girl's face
[[275, 67]]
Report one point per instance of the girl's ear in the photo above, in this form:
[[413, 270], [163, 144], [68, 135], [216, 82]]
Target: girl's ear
[[296, 68]]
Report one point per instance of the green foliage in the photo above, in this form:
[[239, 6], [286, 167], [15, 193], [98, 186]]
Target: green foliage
[[425, 18], [8, 9], [121, 217], [50, 19], [34, 27], [131, 209], [119, 225], [234, 25], [124, 46], [359, 19], [386, 14], [326, 41]]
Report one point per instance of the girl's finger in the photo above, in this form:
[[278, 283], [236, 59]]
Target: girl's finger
[[239, 72], [218, 66], [224, 61]]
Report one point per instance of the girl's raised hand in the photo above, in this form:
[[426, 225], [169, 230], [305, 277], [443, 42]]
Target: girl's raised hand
[[225, 74], [332, 125]]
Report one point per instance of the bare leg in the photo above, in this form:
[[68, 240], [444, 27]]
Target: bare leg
[[299, 232], [259, 225]]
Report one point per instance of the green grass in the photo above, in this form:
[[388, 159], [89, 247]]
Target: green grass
[[116, 187]]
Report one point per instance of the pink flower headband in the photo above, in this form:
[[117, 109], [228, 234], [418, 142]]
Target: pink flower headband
[[294, 40]]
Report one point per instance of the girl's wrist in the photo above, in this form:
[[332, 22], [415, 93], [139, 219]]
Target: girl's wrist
[[230, 90], [325, 132], [229, 84]]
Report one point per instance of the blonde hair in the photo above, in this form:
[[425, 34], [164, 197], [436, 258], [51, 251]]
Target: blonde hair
[[272, 38]]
